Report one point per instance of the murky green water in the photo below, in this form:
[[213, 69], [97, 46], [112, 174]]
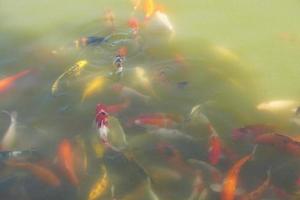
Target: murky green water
[[235, 55]]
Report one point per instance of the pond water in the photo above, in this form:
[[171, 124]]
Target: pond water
[[204, 105]]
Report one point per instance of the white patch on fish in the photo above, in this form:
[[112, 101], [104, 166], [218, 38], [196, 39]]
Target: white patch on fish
[[10, 135], [278, 105]]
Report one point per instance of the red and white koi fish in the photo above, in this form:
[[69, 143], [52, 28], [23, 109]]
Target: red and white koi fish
[[8, 82], [10, 135], [102, 122]]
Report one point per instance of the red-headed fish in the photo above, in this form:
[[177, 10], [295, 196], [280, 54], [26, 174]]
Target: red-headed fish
[[102, 122], [250, 132], [281, 142], [134, 24], [7, 82], [66, 161], [42, 173], [231, 180], [257, 193]]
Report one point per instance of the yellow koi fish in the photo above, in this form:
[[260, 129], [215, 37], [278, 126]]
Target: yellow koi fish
[[148, 8], [100, 187], [92, 86], [75, 70]]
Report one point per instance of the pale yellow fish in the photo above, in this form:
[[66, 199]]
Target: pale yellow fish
[[142, 77], [100, 187], [91, 87], [163, 18], [75, 70], [117, 136], [278, 105], [98, 147], [81, 158], [226, 53]]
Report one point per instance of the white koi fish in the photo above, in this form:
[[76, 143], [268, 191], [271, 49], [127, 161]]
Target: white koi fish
[[10, 135]]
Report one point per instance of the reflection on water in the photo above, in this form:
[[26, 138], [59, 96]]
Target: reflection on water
[[139, 100]]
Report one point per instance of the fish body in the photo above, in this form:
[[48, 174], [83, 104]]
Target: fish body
[[281, 142], [231, 179], [7, 82], [116, 108], [16, 155], [215, 149], [160, 120], [91, 87], [278, 105], [148, 8], [42, 173], [250, 132], [102, 122], [75, 70], [259, 191], [10, 135], [100, 187], [164, 19], [66, 160], [126, 92], [141, 75]]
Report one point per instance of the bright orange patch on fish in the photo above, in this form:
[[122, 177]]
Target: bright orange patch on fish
[[148, 8], [7, 82], [42, 173], [66, 161], [214, 152], [231, 179]]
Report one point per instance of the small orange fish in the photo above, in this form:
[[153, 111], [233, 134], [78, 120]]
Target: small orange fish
[[231, 179], [7, 82], [44, 174], [258, 192], [66, 161]]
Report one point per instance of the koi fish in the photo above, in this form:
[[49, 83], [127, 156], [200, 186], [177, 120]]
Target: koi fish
[[278, 105], [81, 160], [198, 185], [72, 71], [91, 87], [231, 179], [117, 136], [164, 19], [126, 92], [216, 174], [148, 8], [133, 23], [100, 187], [102, 122], [116, 108], [170, 133], [16, 155], [160, 120], [281, 142], [7, 82], [250, 132], [42, 173], [10, 135], [141, 75], [215, 146], [259, 191], [66, 160]]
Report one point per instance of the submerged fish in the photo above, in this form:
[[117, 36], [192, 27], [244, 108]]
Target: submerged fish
[[231, 180], [164, 19], [281, 142], [102, 122], [148, 8], [259, 191], [278, 105], [250, 132], [117, 136], [17, 154], [126, 92], [116, 108], [198, 186], [75, 70], [42, 173], [100, 187], [91, 87], [7, 82], [66, 160], [9, 138], [143, 78], [160, 120]]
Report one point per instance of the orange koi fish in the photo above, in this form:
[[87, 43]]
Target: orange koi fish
[[116, 108], [215, 146], [66, 161], [160, 120], [259, 191], [44, 174], [7, 82], [149, 8], [231, 179]]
